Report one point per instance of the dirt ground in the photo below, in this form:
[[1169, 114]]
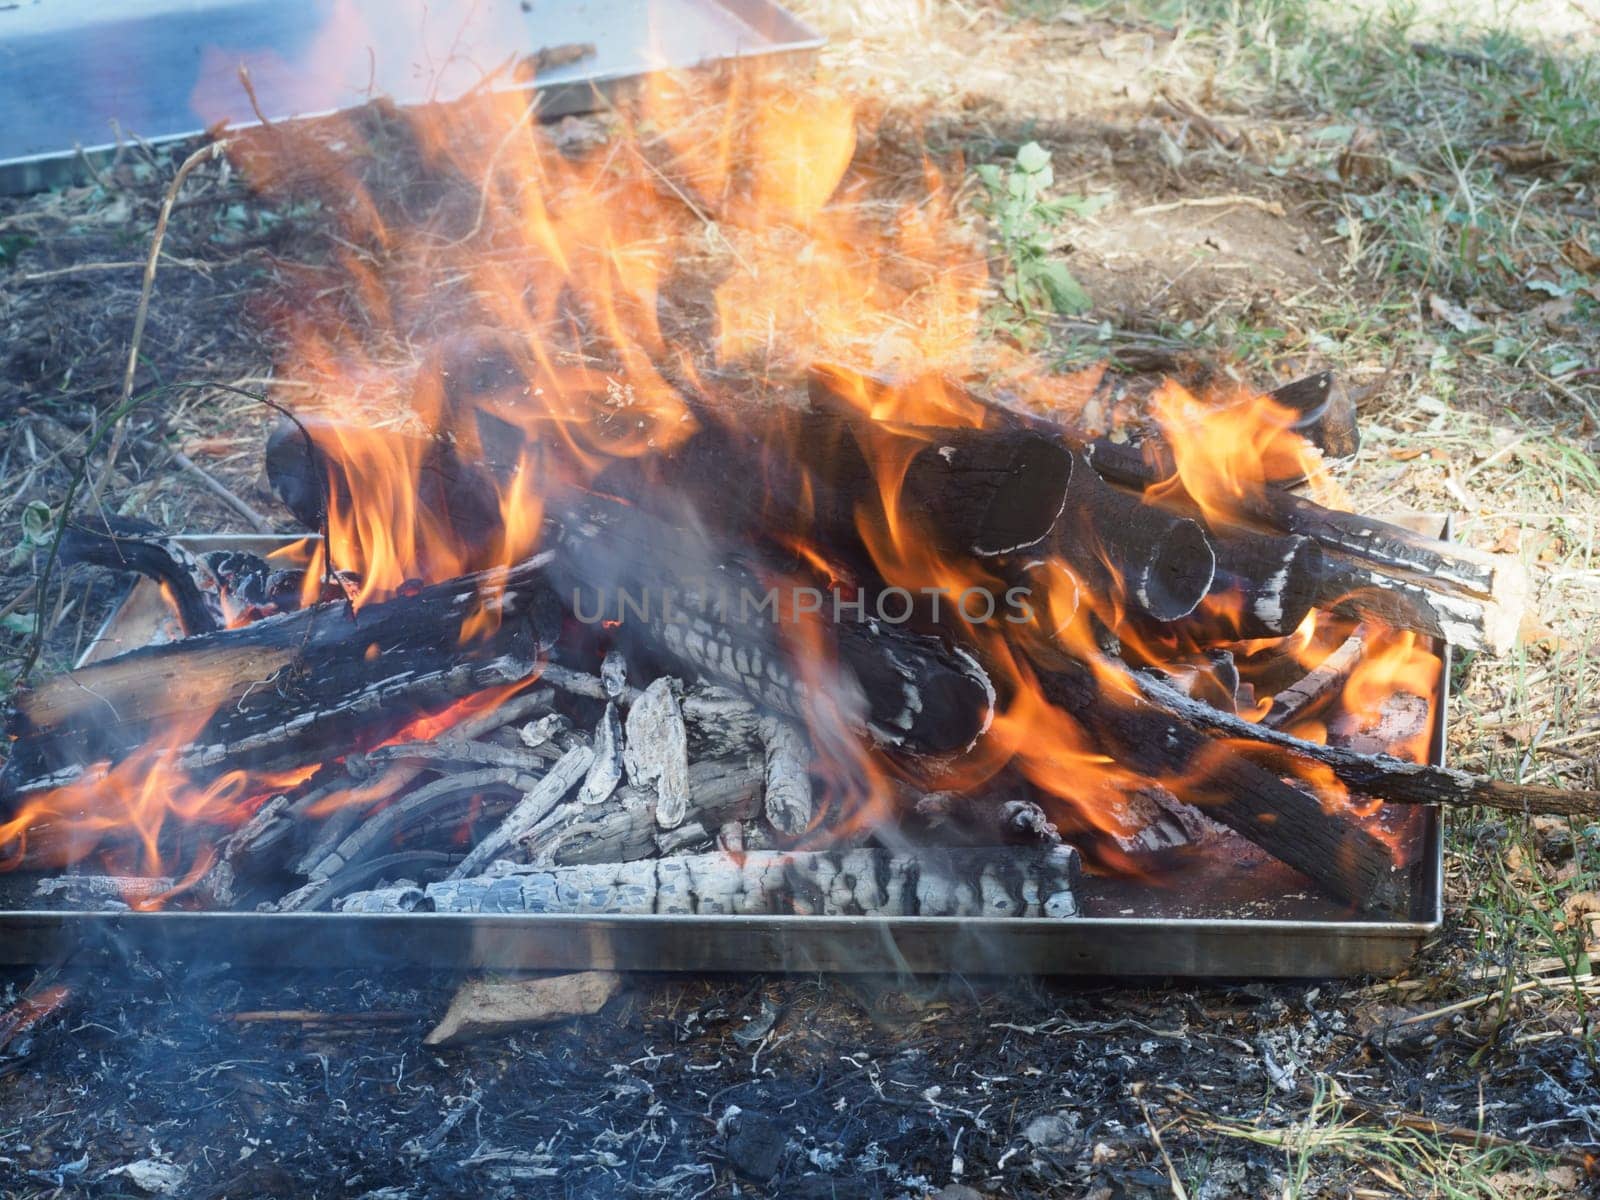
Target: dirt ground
[[1275, 188]]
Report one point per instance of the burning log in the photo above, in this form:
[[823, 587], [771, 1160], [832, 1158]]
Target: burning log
[[698, 606], [1161, 564], [1272, 579], [1318, 685], [1014, 882], [1158, 737], [921, 695], [1475, 600], [456, 505], [285, 690], [1116, 544], [1381, 776]]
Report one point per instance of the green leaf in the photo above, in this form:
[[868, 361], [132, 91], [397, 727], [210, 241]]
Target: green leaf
[[1033, 158], [1085, 206], [1067, 295], [17, 622], [38, 522]]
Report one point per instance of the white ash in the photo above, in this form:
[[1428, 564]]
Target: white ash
[[605, 772], [656, 751]]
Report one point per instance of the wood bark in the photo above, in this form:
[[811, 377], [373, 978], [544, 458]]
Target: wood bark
[[286, 690], [697, 606], [1010, 882]]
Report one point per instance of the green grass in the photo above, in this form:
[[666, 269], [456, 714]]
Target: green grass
[[1438, 103], [1386, 1160]]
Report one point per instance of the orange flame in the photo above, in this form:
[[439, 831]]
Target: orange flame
[[730, 230]]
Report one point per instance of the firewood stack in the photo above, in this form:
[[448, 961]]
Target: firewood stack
[[653, 742]]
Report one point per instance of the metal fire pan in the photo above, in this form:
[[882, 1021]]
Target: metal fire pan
[[88, 74], [1201, 918]]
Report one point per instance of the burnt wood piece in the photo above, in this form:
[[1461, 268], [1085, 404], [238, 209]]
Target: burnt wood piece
[[718, 721], [121, 544], [246, 853], [1393, 549], [982, 819], [626, 828], [1327, 679], [696, 605], [1379, 776], [1160, 564], [605, 772], [1357, 589], [1324, 416], [76, 892], [1117, 544], [1349, 863], [1271, 580], [656, 750], [788, 801], [539, 798], [1327, 413], [457, 497], [1009, 882], [286, 690]]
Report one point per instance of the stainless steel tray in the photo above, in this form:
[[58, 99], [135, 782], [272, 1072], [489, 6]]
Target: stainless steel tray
[[85, 73], [1208, 916]]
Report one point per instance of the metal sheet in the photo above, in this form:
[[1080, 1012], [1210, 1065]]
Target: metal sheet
[[1205, 916], [85, 73]]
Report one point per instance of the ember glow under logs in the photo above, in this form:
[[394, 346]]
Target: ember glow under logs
[[643, 570]]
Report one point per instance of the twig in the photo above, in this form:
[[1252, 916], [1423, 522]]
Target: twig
[[1266, 206], [143, 311], [309, 1017], [1179, 1192], [191, 264], [213, 485]]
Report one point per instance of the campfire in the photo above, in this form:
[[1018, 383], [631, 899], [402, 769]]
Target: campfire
[[674, 542]]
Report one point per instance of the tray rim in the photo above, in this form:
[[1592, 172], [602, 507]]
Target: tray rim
[[27, 173]]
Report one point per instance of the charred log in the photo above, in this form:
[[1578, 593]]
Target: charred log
[[1161, 564], [698, 606], [286, 690], [1345, 860], [119, 544]]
